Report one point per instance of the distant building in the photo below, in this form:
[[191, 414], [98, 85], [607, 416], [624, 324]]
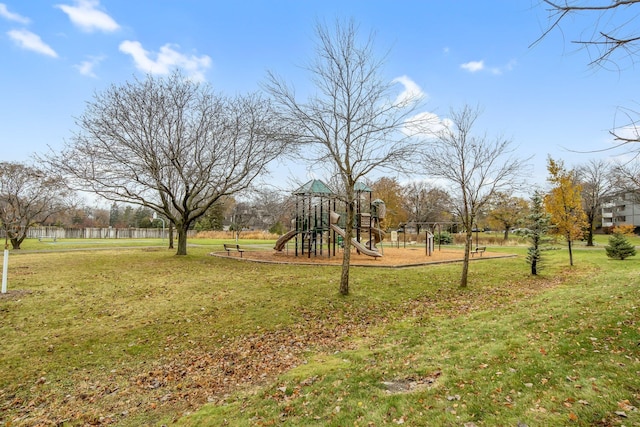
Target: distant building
[[621, 209]]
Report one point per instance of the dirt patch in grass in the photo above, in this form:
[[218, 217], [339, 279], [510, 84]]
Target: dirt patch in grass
[[391, 257], [14, 294], [410, 384]]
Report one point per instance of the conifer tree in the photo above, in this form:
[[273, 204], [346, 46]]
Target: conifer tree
[[619, 247], [538, 226]]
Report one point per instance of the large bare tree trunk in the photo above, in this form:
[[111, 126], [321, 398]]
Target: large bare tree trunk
[[590, 233], [16, 242], [346, 260], [182, 239], [465, 263], [346, 256]]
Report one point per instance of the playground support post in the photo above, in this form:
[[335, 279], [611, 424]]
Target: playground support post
[[477, 230]]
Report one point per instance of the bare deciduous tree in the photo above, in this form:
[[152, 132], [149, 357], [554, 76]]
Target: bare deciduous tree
[[613, 38], [594, 176], [27, 196], [611, 32], [625, 176], [274, 208], [475, 167], [427, 203], [171, 145], [351, 125]]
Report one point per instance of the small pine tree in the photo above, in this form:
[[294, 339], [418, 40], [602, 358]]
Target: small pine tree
[[443, 238], [538, 223], [277, 228], [619, 247]]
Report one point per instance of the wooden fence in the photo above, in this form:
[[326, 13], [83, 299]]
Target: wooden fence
[[101, 233]]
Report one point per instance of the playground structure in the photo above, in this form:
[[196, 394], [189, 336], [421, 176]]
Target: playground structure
[[318, 228]]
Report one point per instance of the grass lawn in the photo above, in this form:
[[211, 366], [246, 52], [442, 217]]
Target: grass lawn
[[137, 336], [30, 245]]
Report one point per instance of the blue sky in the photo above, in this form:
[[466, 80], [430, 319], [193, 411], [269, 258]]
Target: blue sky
[[57, 54]]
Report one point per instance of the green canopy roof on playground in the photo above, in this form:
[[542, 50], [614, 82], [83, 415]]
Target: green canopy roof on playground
[[314, 187], [362, 187]]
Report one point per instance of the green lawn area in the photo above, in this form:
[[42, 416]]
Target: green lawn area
[[136, 336], [93, 244]]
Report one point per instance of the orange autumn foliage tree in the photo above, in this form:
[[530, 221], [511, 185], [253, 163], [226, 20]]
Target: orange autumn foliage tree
[[390, 192], [564, 204], [624, 229]]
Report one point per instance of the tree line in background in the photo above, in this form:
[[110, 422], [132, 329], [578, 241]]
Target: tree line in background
[[415, 204]]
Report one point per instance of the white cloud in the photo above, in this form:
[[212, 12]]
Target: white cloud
[[473, 66], [511, 65], [165, 60], [86, 67], [411, 93], [500, 70], [30, 41], [425, 125], [86, 15], [4, 12]]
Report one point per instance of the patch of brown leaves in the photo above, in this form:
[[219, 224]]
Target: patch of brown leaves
[[182, 382]]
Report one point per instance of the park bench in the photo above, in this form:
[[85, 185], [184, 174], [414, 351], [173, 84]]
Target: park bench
[[229, 248], [41, 238], [478, 250]]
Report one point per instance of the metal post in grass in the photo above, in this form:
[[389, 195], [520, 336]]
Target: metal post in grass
[[477, 231], [5, 265]]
